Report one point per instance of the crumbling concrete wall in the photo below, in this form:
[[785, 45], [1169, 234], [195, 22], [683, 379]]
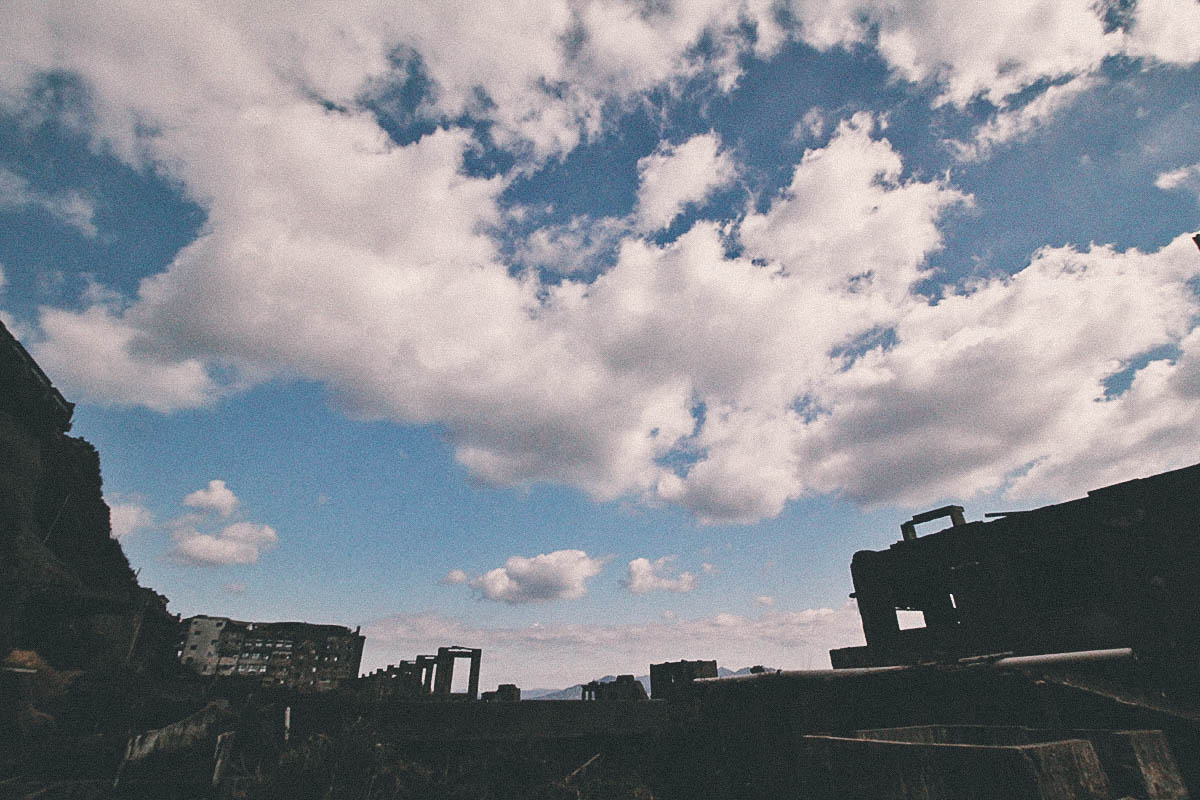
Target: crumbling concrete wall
[[188, 733]]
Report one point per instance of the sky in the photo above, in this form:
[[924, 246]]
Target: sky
[[596, 333]]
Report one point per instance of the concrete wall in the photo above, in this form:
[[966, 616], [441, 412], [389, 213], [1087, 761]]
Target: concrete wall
[[1137, 763], [868, 769]]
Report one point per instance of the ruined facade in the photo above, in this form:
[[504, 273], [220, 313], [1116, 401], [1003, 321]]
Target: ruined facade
[[1114, 569], [426, 677], [668, 679], [295, 655], [67, 591], [624, 688]]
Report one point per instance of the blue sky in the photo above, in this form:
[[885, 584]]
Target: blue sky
[[596, 333]]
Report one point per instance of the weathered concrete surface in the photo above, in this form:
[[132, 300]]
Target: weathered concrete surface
[[758, 723], [835, 767], [1138, 763], [191, 731]]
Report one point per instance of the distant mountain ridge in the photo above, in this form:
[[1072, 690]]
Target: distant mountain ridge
[[576, 692]]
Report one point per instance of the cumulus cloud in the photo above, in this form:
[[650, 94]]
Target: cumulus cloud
[[807, 363], [648, 576], [69, 207], [560, 655], [215, 497], [560, 575], [129, 518], [675, 175], [208, 538], [1165, 31], [239, 543], [97, 355], [455, 576]]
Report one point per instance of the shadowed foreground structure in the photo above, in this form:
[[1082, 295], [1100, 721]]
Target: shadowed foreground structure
[[1117, 568]]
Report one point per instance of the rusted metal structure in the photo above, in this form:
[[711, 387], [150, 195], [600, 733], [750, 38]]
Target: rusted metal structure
[[1116, 569]]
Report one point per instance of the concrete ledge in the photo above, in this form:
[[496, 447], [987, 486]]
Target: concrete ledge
[[1138, 763], [870, 769]]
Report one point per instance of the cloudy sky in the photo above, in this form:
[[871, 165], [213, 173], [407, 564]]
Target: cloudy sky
[[596, 332]]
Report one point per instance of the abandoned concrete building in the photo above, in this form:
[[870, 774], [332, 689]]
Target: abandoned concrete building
[[1115, 569], [295, 655], [624, 688], [668, 679], [428, 676]]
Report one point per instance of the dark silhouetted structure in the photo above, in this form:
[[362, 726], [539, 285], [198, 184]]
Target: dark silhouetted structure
[[67, 591], [667, 679], [505, 693], [1114, 569], [443, 683], [624, 688], [425, 677]]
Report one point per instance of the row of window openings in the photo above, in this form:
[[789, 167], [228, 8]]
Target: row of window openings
[[250, 654], [283, 645]]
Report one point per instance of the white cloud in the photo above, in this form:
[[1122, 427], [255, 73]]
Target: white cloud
[[1012, 125], [674, 176], [811, 125], [454, 576], [1167, 31], [334, 255], [764, 600], [542, 72], [215, 497], [647, 576], [1182, 178], [98, 356], [576, 246], [968, 47], [560, 575], [238, 543], [129, 518], [69, 207], [1011, 373], [556, 656]]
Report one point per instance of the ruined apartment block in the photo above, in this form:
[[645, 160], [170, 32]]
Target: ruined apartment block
[[294, 655]]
